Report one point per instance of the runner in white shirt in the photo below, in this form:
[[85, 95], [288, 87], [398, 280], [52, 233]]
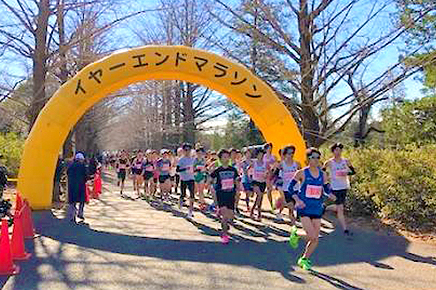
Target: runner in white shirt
[[339, 169]]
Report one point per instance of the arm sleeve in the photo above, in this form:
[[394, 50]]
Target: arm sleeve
[[178, 169], [352, 171], [327, 188], [291, 186]]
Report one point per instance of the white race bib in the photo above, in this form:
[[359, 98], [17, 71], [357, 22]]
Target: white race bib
[[227, 184], [313, 191]]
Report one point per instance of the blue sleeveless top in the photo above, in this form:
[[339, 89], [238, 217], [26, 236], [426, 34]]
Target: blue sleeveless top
[[311, 193]]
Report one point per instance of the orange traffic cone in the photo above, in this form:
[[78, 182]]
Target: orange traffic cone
[[28, 230], [17, 246], [7, 266], [18, 203]]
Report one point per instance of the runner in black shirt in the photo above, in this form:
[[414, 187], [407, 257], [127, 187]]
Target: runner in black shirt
[[225, 181]]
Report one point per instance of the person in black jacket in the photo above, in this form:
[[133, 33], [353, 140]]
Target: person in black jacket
[[77, 178]]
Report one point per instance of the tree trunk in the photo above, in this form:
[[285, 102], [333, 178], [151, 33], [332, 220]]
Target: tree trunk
[[310, 120], [189, 126], [39, 59]]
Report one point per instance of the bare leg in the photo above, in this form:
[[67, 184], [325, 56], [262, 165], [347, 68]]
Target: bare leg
[[311, 227]]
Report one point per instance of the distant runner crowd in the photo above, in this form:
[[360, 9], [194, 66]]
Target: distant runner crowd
[[227, 176]]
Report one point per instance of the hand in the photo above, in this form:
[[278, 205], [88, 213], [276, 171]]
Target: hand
[[300, 204], [332, 197]]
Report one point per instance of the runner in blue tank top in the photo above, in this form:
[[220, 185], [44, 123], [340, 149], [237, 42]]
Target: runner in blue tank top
[[309, 202]]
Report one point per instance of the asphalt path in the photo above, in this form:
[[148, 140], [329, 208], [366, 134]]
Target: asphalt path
[[129, 243]]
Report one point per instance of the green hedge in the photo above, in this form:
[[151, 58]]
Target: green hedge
[[11, 147], [395, 184]]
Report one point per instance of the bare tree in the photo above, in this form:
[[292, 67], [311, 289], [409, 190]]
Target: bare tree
[[324, 41]]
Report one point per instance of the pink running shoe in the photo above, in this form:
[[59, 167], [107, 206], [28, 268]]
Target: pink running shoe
[[225, 240]]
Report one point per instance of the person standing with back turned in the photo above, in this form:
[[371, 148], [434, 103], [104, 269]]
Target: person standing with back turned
[[77, 177]]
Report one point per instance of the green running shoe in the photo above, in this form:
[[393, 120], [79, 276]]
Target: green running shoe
[[304, 263], [294, 238]]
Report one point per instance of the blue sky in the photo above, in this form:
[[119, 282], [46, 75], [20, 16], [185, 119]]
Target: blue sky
[[123, 37]]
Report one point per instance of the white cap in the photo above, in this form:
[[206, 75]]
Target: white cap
[[80, 156]]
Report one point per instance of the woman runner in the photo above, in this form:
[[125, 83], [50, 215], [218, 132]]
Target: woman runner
[[260, 171], [309, 202], [225, 179], [339, 169], [164, 167], [122, 165], [288, 169], [200, 177], [137, 172], [147, 173]]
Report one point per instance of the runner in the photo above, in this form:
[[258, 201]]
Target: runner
[[309, 202], [225, 179], [147, 173], [137, 172], [154, 159], [185, 168], [179, 155], [288, 168], [122, 166], [200, 176], [237, 164], [247, 175], [173, 171], [164, 167], [339, 169], [270, 161], [260, 171]]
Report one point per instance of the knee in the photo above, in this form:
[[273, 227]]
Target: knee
[[313, 238]]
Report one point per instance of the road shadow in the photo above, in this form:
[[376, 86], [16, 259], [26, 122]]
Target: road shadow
[[272, 256]]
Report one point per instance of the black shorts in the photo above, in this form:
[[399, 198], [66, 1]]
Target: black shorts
[[311, 216], [148, 175], [340, 195], [288, 197], [301, 213], [188, 184], [163, 178], [136, 171], [226, 199], [122, 174], [261, 185]]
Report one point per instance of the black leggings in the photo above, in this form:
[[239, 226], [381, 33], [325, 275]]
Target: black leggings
[[187, 184]]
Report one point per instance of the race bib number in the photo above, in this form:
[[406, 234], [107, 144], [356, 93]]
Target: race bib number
[[200, 167], [165, 167], [313, 191], [149, 168], [190, 170], [227, 184], [341, 173]]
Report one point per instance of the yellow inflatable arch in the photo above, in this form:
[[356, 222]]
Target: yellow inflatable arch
[[97, 80]]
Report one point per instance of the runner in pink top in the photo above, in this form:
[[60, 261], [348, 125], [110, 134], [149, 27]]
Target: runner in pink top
[[271, 161]]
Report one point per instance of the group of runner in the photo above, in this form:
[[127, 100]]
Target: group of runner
[[254, 171]]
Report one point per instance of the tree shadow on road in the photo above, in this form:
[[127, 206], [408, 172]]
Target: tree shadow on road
[[271, 256]]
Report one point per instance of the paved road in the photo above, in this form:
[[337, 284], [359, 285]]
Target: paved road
[[132, 244]]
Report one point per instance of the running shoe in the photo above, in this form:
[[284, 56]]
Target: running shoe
[[180, 204], [304, 263], [279, 216], [294, 238], [225, 239], [190, 215]]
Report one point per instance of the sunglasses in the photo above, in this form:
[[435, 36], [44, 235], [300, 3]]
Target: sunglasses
[[314, 156]]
